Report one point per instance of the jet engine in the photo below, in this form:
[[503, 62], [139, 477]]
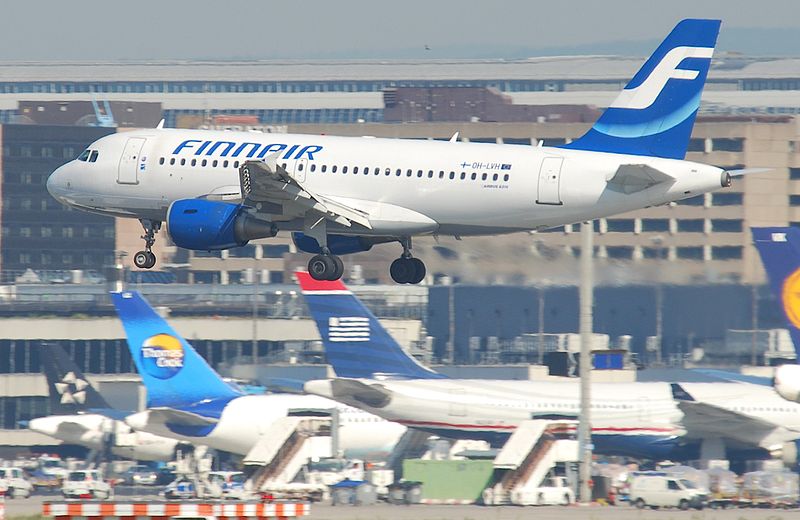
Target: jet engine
[[204, 225], [787, 452], [338, 244], [787, 382]]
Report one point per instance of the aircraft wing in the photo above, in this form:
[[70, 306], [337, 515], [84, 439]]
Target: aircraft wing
[[178, 417], [631, 178], [70, 428], [704, 419], [268, 182], [733, 377]]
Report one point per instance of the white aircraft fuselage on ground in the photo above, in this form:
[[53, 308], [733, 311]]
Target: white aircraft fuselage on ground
[[92, 430], [643, 419], [244, 420]]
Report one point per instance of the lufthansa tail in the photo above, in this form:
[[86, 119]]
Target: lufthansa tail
[[655, 112], [174, 374], [70, 391], [356, 344], [779, 248]]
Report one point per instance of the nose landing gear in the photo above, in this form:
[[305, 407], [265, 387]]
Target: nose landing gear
[[407, 269], [146, 259]]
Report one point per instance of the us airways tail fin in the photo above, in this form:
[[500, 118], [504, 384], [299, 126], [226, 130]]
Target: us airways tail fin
[[174, 374], [655, 112], [356, 344], [779, 248], [70, 391]]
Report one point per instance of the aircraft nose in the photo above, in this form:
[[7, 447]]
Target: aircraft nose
[[137, 421], [55, 183], [321, 387]]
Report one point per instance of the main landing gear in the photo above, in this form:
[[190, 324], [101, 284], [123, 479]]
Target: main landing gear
[[146, 259], [326, 266], [407, 269]]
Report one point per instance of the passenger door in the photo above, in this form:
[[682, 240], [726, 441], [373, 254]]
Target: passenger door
[[128, 172], [300, 168], [550, 181]]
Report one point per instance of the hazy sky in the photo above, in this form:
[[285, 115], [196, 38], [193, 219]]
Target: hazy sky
[[235, 29]]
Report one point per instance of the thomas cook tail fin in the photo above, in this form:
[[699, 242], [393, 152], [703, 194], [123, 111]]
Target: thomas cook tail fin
[[173, 372], [655, 112]]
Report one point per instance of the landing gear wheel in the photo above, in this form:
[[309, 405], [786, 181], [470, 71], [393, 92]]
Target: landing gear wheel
[[407, 270], [326, 267], [401, 270], [419, 270], [144, 259], [339, 272]]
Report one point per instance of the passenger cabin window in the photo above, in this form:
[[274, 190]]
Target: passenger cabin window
[[161, 160]]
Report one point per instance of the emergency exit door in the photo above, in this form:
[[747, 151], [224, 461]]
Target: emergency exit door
[[550, 181], [128, 172]]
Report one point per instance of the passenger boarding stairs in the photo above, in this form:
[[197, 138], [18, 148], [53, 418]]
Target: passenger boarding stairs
[[284, 449], [528, 456], [413, 444]]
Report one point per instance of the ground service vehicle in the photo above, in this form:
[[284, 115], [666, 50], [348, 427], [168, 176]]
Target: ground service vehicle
[[657, 490]]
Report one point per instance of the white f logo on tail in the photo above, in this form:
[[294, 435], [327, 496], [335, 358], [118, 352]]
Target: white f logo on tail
[[645, 94]]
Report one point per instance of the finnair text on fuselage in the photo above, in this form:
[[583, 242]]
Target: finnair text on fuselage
[[249, 150]]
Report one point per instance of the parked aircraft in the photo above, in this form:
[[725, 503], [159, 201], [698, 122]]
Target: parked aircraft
[[341, 195], [779, 248], [648, 420], [81, 416], [187, 400]]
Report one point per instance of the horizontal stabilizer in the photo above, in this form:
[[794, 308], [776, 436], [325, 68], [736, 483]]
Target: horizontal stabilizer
[[631, 178], [178, 417], [374, 395]]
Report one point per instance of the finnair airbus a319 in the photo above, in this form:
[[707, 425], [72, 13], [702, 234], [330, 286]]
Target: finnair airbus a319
[[340, 195]]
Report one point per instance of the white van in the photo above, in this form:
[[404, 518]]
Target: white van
[[661, 490], [14, 481]]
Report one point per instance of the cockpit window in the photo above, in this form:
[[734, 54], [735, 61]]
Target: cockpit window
[[93, 156], [84, 156]]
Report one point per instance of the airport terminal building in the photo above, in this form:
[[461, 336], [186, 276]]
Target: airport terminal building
[[57, 264]]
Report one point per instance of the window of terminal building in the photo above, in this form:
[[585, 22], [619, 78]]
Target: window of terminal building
[[693, 201], [794, 174], [725, 144], [696, 145], [724, 225], [517, 140], [794, 200], [620, 225], [691, 225], [726, 252], [690, 253], [619, 252], [655, 253], [727, 199]]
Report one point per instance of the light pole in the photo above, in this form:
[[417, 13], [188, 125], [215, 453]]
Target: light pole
[[586, 317]]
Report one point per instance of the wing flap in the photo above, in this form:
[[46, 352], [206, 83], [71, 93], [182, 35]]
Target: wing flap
[[268, 181]]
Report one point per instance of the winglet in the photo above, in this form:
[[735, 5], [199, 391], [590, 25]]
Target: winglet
[[679, 393]]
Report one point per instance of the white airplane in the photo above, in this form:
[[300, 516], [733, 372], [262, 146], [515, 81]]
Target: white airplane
[[649, 420], [187, 400], [341, 195], [81, 416]]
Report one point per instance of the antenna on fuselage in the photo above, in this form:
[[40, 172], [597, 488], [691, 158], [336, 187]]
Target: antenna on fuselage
[[454, 138], [160, 124]]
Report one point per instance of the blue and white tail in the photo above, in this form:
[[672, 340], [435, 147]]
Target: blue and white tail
[[174, 374], [655, 112], [779, 248], [356, 344]]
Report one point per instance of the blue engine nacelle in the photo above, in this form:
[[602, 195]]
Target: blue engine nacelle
[[205, 225], [338, 244]]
